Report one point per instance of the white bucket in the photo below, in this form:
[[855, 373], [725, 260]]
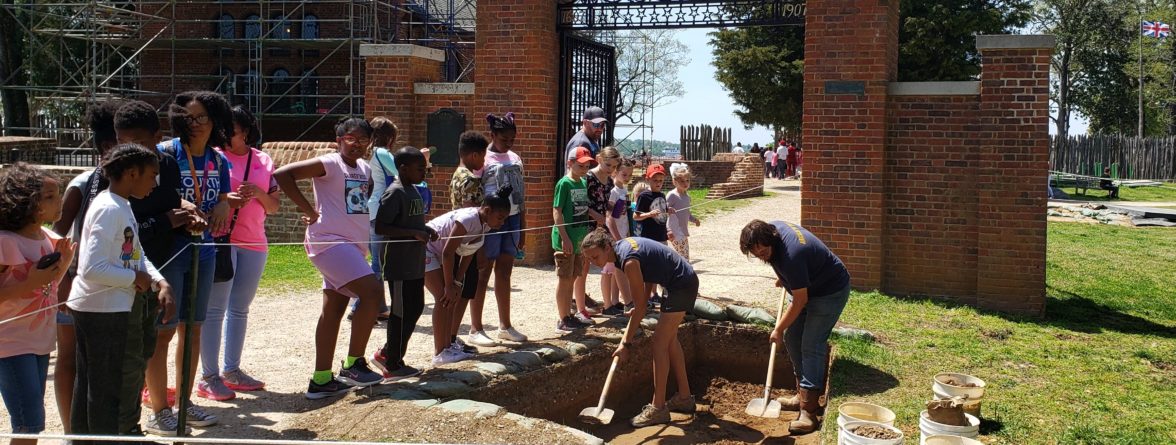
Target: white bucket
[[927, 428], [863, 412], [973, 396], [844, 436], [951, 440]]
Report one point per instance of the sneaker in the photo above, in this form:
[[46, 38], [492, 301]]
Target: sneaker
[[163, 423], [567, 324], [681, 403], [584, 318], [214, 388], [463, 347], [392, 371], [360, 375], [450, 355], [171, 396], [510, 334], [240, 381], [651, 415], [479, 338], [615, 310], [198, 417], [332, 388]]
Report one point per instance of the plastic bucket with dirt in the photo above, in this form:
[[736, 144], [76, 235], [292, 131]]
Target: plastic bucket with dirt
[[946, 385], [928, 428], [864, 412], [950, 440], [726, 366], [868, 433]]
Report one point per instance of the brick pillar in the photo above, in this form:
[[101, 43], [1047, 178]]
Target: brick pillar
[[391, 71], [517, 49], [851, 55], [1014, 163]]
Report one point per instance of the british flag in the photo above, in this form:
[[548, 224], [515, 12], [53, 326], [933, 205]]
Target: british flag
[[1157, 29]]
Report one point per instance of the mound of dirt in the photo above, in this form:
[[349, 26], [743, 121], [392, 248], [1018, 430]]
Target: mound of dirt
[[875, 432]]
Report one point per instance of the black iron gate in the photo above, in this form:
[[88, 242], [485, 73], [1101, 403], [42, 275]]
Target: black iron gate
[[588, 77]]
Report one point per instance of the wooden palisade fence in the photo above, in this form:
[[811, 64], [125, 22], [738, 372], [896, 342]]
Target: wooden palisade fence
[[700, 143], [1137, 158]]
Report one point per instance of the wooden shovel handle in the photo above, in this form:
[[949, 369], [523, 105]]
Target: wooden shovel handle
[[772, 357], [607, 383]]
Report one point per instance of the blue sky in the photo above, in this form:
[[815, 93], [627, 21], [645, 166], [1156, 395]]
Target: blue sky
[[706, 102]]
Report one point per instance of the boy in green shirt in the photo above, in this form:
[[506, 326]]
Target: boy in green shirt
[[570, 210]]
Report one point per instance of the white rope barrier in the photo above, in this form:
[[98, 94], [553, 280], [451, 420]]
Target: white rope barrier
[[177, 254], [215, 440]]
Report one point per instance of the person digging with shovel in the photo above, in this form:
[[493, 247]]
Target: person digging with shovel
[[819, 284], [642, 262]]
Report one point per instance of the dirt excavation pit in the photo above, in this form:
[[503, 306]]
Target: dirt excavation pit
[[727, 366]]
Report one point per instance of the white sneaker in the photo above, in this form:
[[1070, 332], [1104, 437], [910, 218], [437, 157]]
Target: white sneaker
[[510, 334], [479, 338], [450, 355]]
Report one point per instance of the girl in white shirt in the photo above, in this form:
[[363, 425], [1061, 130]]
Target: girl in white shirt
[[111, 270]]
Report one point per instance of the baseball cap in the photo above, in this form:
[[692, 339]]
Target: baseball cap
[[595, 114], [654, 169], [583, 155]]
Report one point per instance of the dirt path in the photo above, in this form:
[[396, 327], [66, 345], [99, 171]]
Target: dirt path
[[279, 350]]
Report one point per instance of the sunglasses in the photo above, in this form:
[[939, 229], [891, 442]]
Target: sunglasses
[[352, 140], [198, 120], [599, 124]]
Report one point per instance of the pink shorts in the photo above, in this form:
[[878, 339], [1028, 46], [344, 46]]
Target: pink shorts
[[340, 265]]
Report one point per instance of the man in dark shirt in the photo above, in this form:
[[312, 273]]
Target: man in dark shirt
[[819, 283], [591, 130]]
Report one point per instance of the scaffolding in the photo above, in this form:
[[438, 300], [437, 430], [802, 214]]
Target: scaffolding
[[291, 60]]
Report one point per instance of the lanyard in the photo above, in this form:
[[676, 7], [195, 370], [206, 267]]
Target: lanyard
[[196, 183]]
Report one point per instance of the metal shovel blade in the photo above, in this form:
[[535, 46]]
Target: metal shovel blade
[[763, 408], [603, 416]]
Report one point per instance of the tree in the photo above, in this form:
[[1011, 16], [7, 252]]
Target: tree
[[763, 68], [12, 71], [937, 38], [648, 62]]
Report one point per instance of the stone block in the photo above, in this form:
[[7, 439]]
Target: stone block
[[493, 369], [523, 359], [553, 354], [479, 409], [444, 388], [472, 378]]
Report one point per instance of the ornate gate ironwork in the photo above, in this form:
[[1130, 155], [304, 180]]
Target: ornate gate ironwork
[[655, 14], [588, 77]]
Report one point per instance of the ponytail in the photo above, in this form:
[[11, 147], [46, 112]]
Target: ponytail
[[500, 200], [501, 124]]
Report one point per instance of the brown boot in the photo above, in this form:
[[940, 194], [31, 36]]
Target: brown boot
[[810, 413], [791, 403]]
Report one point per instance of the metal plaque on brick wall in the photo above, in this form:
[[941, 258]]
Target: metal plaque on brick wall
[[444, 129]]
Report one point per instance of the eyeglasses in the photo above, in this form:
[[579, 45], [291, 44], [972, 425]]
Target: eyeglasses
[[198, 120], [352, 140], [599, 124]]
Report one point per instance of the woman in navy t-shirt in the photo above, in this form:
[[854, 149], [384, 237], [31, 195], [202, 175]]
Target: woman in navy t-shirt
[[819, 284], [644, 262]]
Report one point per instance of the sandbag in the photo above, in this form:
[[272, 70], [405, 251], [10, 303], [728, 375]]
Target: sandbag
[[709, 311], [750, 315]]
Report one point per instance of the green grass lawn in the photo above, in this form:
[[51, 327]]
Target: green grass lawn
[[1167, 193], [1100, 368], [287, 267]]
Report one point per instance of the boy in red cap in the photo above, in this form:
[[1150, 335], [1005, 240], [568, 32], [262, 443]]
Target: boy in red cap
[[653, 213], [570, 210]]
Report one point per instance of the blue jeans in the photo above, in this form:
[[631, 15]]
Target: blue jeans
[[22, 384], [179, 275], [807, 339], [228, 312], [377, 251]]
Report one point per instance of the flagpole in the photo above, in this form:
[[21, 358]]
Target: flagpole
[[1139, 130]]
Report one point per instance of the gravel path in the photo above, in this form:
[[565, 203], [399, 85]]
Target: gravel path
[[280, 349]]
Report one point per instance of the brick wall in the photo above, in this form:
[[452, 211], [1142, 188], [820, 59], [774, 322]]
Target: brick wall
[[727, 175], [932, 158], [517, 50], [852, 45], [28, 149]]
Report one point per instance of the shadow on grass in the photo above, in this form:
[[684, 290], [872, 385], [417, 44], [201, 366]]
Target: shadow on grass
[[1075, 313], [857, 379]]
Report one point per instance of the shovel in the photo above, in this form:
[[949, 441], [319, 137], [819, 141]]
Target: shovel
[[599, 415], [767, 406]]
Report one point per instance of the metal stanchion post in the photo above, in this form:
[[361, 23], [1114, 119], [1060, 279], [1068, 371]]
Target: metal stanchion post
[[186, 365]]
